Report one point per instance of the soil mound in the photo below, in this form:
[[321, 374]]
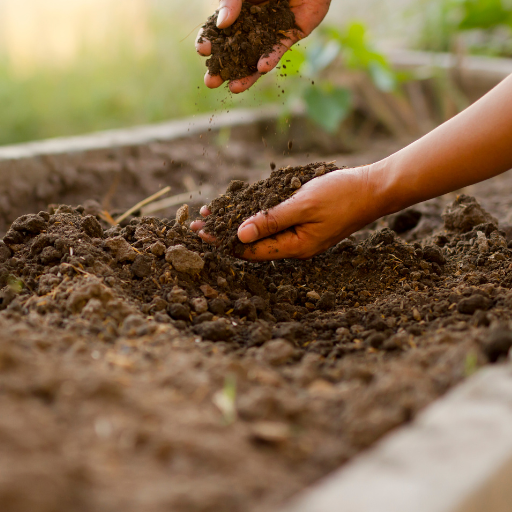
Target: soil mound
[[237, 49], [140, 370], [242, 200]]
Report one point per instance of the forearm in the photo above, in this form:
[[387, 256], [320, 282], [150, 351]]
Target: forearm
[[471, 147]]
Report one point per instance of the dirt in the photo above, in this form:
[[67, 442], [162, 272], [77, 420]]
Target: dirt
[[237, 49], [140, 369], [242, 201]]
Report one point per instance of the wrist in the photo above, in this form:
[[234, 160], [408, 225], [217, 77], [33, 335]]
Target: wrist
[[385, 189]]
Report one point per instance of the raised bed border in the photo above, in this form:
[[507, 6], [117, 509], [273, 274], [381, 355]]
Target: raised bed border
[[455, 457]]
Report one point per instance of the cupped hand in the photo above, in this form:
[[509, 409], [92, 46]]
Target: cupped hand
[[324, 211], [308, 15]]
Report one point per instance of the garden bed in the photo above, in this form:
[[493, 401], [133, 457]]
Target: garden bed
[[140, 369]]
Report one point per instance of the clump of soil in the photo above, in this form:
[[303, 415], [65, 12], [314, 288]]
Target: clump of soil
[[237, 49], [242, 200], [140, 370]]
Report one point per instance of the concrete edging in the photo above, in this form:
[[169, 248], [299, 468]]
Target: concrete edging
[[455, 457]]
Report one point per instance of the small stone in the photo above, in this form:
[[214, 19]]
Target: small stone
[[121, 249], [312, 295], [199, 305], [222, 282], [471, 304], [141, 267], [158, 249], [277, 352], [177, 296], [416, 315], [208, 291], [184, 260], [295, 183], [182, 214], [272, 432], [320, 171], [216, 330]]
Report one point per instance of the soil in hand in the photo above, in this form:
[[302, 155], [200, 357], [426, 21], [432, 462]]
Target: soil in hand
[[237, 49], [242, 201]]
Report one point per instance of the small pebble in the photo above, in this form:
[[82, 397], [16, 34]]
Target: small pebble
[[295, 183]]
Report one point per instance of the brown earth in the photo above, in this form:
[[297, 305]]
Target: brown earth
[[142, 370], [237, 49]]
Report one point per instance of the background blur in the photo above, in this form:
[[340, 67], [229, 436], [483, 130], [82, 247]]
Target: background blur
[[74, 66]]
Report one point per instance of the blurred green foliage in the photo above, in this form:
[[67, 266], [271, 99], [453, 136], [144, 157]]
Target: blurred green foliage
[[114, 89], [482, 26], [328, 104]]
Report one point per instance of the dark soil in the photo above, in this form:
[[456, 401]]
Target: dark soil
[[237, 49], [242, 200], [142, 370]]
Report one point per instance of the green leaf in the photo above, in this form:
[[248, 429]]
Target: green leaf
[[484, 14], [382, 76], [328, 106]]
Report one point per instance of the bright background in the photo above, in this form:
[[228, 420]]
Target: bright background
[[74, 66]]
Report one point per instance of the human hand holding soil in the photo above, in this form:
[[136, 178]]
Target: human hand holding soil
[[321, 213], [308, 15], [471, 147]]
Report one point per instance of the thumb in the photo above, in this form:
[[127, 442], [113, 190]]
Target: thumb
[[270, 222], [229, 10]]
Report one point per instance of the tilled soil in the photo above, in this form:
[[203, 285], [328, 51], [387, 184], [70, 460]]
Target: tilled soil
[[142, 370], [237, 49]]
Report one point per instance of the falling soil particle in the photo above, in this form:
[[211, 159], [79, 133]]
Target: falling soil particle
[[237, 49]]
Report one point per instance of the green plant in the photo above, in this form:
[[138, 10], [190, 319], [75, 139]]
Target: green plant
[[326, 103], [481, 26]]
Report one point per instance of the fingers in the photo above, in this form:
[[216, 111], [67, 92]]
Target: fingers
[[209, 239], [270, 222], [212, 81], [267, 64], [229, 10], [197, 225], [241, 85], [284, 245], [205, 211], [204, 47]]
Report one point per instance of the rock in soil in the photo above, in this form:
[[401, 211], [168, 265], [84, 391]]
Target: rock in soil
[[140, 369], [237, 49]]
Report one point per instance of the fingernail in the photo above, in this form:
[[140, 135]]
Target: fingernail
[[222, 16], [248, 233]]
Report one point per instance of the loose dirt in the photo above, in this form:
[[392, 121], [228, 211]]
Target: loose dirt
[[237, 49], [242, 201], [140, 369]]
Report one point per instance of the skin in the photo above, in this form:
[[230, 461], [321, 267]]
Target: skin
[[308, 15], [471, 147]]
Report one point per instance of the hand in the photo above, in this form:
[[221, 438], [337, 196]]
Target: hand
[[308, 15], [324, 211]]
